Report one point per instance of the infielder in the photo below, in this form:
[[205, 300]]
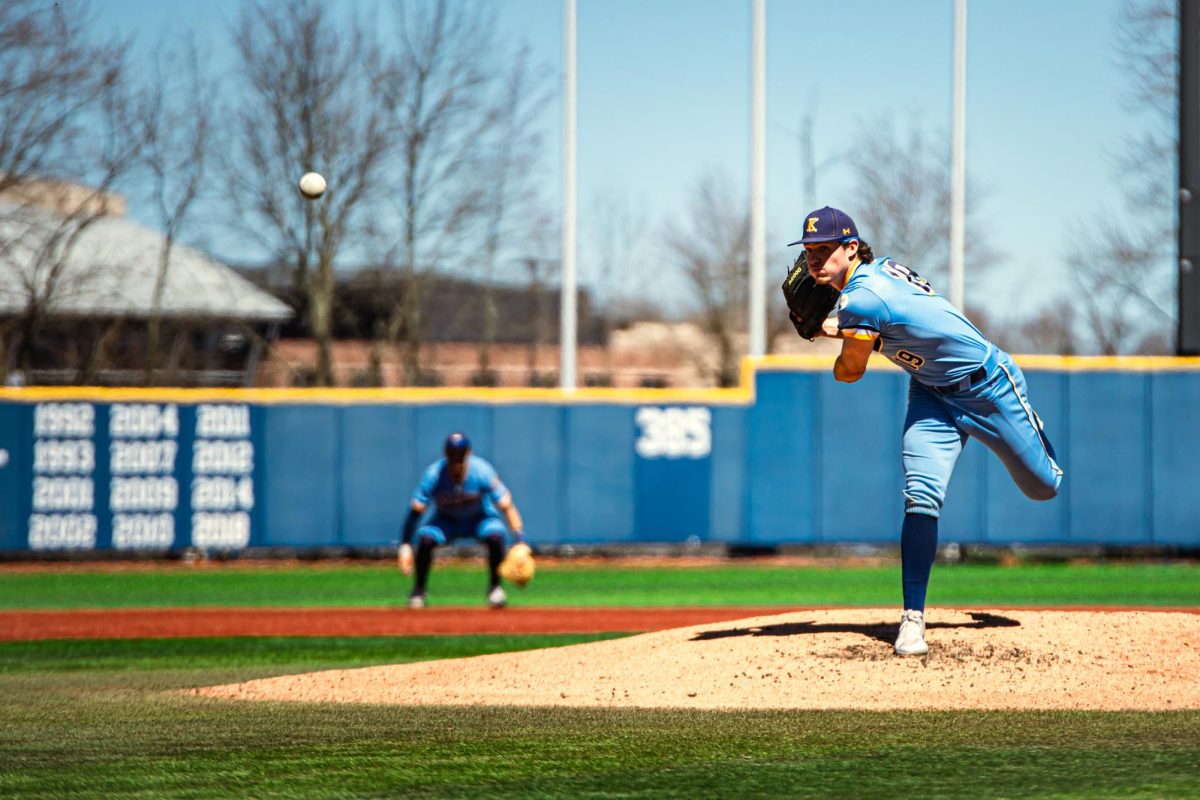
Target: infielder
[[960, 385], [467, 499]]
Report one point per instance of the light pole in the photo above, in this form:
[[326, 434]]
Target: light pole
[[758, 179], [958, 157], [567, 316]]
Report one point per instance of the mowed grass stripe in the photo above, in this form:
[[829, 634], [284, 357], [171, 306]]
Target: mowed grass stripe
[[735, 584], [285, 653], [174, 748]]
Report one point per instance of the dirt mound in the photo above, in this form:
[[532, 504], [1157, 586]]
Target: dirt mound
[[809, 659]]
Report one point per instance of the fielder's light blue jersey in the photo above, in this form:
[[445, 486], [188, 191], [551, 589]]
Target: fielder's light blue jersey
[[479, 494], [921, 331]]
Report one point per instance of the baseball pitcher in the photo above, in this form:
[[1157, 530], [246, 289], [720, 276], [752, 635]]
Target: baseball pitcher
[[960, 384]]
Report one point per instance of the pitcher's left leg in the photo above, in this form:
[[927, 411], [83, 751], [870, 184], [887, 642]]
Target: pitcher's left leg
[[1001, 417]]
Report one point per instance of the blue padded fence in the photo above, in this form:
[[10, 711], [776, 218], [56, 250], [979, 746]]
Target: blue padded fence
[[146, 470]]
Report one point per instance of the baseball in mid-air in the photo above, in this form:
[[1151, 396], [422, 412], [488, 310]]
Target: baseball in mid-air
[[312, 185]]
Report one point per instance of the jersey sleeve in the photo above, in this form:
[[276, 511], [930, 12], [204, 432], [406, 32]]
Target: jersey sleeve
[[861, 309], [423, 494]]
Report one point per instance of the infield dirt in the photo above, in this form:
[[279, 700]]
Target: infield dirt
[[842, 658]]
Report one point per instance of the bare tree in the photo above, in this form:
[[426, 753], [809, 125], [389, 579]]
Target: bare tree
[[778, 322], [538, 275], [52, 80], [66, 118], [1049, 330], [1121, 285], [624, 282], [907, 177], [441, 79], [176, 123], [711, 248], [1122, 262], [512, 199], [811, 169], [1147, 47], [310, 100], [443, 105], [807, 150]]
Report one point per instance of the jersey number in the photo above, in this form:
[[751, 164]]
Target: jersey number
[[910, 359], [903, 273]]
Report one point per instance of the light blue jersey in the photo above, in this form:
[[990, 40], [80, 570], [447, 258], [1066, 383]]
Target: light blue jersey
[[920, 330], [479, 495], [962, 385]]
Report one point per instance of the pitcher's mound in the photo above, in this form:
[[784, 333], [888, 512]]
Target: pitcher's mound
[[811, 659]]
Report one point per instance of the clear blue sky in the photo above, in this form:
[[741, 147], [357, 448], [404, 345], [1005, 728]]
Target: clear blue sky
[[664, 97]]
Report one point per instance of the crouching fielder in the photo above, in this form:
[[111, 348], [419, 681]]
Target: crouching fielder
[[960, 385], [466, 498]]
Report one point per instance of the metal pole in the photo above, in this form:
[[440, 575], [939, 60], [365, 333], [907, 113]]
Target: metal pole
[[958, 157], [567, 318], [1187, 333], [758, 179]]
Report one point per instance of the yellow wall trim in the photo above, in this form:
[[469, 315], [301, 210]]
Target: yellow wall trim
[[347, 396], [740, 395]]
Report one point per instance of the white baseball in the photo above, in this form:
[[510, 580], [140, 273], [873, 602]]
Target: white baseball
[[312, 185]]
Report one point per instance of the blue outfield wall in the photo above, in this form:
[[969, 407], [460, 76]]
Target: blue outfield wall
[[791, 457]]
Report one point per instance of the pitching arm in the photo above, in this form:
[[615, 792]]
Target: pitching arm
[[857, 346]]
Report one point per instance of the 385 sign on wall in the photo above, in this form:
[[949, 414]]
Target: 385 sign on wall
[[674, 432]]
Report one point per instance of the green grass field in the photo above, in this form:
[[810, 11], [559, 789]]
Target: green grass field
[[736, 584], [99, 719]]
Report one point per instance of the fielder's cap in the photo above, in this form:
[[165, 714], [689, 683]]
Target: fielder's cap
[[827, 225], [457, 445]]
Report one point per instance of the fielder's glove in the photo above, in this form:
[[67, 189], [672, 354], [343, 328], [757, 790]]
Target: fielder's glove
[[518, 566], [808, 302], [404, 559]]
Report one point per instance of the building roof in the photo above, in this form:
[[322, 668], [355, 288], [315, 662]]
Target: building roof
[[110, 271]]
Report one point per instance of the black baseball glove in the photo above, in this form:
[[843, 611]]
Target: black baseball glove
[[808, 302]]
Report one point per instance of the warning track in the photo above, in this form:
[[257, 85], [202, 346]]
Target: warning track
[[168, 623]]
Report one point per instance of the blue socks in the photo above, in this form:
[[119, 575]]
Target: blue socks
[[495, 547], [425, 547], [918, 547]]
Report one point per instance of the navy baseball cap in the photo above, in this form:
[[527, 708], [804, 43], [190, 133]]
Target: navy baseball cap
[[457, 445], [827, 225]]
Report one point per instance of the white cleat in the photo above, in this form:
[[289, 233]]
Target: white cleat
[[416, 601], [497, 598], [911, 640]]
